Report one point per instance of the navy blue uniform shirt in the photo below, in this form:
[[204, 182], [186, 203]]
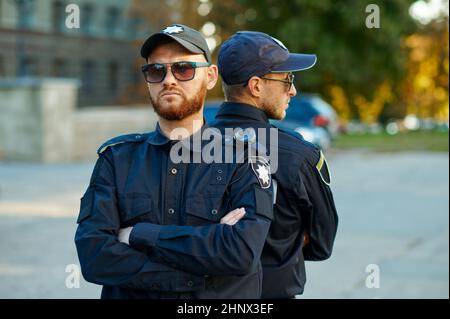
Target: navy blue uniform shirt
[[304, 203], [178, 248]]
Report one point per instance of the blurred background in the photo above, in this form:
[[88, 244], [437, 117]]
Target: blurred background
[[377, 102]]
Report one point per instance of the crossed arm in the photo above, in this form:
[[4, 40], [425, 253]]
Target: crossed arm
[[106, 260], [230, 219]]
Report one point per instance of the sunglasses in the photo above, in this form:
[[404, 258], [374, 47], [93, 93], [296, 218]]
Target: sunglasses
[[289, 80], [182, 71]]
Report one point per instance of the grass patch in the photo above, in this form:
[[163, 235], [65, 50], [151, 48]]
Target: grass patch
[[433, 141]]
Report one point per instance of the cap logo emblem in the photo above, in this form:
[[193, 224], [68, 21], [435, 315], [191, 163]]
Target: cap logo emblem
[[173, 29], [279, 43]]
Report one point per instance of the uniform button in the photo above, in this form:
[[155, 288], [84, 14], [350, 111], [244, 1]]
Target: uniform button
[[214, 211], [190, 283], [171, 211], [219, 171], [174, 171], [297, 260], [219, 178]]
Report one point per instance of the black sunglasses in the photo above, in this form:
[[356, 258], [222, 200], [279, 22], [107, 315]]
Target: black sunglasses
[[289, 80], [182, 71]]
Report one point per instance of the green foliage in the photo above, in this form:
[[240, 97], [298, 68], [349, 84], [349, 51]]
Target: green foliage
[[350, 55]]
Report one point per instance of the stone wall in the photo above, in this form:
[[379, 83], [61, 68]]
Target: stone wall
[[39, 121], [94, 126]]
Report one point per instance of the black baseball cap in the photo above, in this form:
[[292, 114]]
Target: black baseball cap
[[189, 38], [248, 53]]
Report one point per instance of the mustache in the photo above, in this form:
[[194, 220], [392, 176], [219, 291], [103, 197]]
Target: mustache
[[170, 91]]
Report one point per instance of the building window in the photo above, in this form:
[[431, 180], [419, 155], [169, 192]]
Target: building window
[[135, 75], [25, 13], [60, 68], [113, 77], [28, 66], [134, 24], [87, 77], [87, 18], [58, 16], [2, 66], [112, 21]]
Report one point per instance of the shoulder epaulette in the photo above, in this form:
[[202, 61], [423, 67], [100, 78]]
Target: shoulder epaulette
[[122, 139]]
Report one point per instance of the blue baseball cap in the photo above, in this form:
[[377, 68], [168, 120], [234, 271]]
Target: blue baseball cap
[[248, 53]]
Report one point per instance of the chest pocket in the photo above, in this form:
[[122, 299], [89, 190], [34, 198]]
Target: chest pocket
[[135, 208], [205, 209], [218, 174]]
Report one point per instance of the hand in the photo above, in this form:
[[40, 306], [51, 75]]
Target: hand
[[305, 239], [124, 235], [233, 217]]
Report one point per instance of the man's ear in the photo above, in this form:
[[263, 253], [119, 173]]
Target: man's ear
[[213, 75], [254, 86]]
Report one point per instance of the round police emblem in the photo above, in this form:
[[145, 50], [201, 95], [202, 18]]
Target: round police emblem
[[261, 168]]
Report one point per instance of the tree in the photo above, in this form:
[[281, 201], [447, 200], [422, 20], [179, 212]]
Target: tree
[[354, 62], [425, 88], [367, 73]]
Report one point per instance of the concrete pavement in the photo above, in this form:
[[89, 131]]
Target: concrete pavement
[[393, 211]]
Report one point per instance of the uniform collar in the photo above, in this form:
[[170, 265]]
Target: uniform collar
[[158, 138], [241, 110], [194, 141]]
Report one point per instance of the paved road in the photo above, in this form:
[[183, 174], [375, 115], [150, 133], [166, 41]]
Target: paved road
[[394, 215]]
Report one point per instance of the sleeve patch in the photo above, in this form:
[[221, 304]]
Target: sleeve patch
[[261, 168], [322, 168]]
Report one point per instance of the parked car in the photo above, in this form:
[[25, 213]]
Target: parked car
[[312, 117], [210, 110], [310, 110]]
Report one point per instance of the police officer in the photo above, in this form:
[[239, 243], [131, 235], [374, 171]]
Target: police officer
[[151, 226], [258, 82]]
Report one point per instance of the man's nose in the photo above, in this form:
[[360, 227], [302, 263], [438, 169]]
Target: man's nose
[[293, 90], [169, 79]]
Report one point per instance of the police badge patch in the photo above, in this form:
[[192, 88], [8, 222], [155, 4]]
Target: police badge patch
[[173, 29], [322, 168], [261, 168]]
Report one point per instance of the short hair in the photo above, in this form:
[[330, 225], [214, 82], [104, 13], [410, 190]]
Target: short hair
[[234, 91]]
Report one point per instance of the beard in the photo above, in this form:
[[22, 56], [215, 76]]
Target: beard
[[272, 111], [179, 111]]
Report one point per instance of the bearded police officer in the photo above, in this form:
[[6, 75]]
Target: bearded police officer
[[153, 227], [258, 82]]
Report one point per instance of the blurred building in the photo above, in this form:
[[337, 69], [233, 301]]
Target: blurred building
[[35, 41]]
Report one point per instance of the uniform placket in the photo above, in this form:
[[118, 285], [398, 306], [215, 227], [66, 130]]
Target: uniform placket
[[174, 189]]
